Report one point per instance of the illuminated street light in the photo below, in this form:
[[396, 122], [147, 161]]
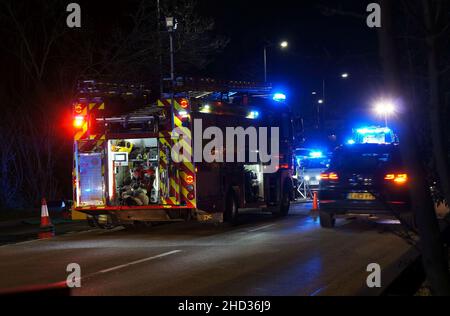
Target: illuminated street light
[[345, 75], [283, 45], [385, 108], [321, 101]]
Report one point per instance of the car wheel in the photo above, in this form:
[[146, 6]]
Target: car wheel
[[327, 220], [409, 220]]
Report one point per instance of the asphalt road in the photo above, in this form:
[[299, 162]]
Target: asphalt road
[[261, 256]]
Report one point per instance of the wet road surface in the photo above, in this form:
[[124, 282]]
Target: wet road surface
[[260, 256]]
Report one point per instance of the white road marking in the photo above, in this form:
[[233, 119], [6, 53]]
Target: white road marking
[[138, 262], [261, 228], [21, 243]]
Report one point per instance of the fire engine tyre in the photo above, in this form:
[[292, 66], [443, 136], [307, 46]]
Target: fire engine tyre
[[327, 220], [231, 209], [111, 223], [91, 222], [284, 206]]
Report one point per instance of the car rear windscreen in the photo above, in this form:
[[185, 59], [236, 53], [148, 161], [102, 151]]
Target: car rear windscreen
[[362, 159]]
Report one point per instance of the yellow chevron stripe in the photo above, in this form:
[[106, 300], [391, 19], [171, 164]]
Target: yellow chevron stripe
[[178, 122], [178, 106], [163, 158], [92, 106], [174, 185], [189, 166], [186, 146], [81, 133], [102, 107], [173, 201], [192, 203], [164, 142]]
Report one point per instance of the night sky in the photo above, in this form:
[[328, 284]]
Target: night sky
[[321, 47]]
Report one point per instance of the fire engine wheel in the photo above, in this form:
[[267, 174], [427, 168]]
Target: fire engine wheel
[[91, 222], [285, 204], [231, 209], [105, 222]]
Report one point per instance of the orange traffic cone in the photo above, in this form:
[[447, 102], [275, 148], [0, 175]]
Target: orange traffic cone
[[47, 229], [315, 202]]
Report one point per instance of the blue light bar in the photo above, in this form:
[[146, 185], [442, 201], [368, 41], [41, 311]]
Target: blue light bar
[[279, 97], [351, 142], [371, 130], [316, 154]]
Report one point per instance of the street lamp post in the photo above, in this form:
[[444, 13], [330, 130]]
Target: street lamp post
[[323, 100], [171, 24], [265, 63], [283, 45]]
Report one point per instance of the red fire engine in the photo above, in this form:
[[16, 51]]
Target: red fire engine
[[125, 172]]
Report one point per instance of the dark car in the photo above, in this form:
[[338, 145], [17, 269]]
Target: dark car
[[364, 179]]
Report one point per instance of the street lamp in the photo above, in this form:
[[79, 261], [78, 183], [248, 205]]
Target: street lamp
[[345, 75], [385, 108], [171, 24], [283, 45]]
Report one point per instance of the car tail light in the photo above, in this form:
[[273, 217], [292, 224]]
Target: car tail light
[[399, 178], [329, 176]]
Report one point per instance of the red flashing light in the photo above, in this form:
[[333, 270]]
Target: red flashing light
[[191, 196], [79, 121]]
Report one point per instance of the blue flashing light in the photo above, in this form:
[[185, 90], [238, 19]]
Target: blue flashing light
[[371, 130], [351, 142], [253, 115], [279, 97], [316, 154]]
